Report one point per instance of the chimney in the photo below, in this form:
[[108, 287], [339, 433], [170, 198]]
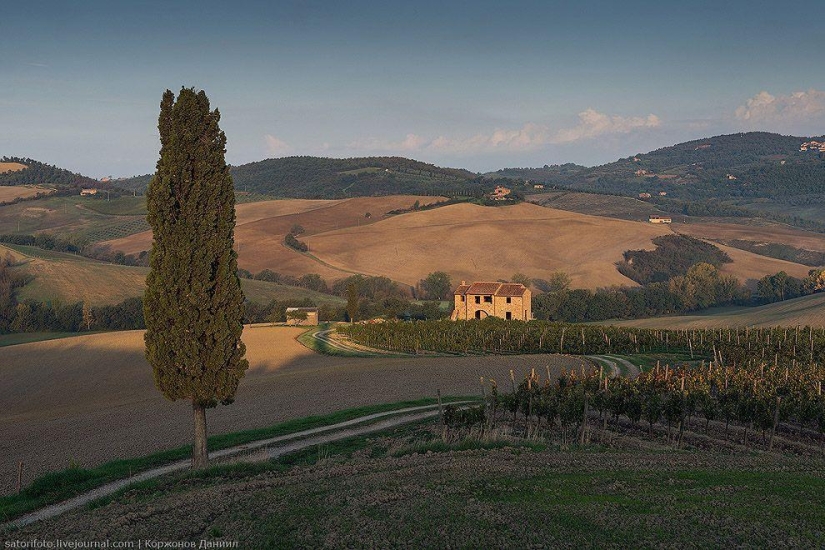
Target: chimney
[[463, 283]]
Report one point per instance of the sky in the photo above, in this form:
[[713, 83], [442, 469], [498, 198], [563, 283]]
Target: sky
[[478, 85]]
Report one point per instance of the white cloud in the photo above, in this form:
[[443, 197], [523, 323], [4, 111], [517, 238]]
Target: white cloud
[[594, 124], [412, 142], [796, 107], [529, 137], [276, 147]]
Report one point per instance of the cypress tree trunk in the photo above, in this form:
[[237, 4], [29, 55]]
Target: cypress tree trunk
[[200, 456]]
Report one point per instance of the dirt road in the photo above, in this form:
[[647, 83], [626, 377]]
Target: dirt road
[[91, 399]]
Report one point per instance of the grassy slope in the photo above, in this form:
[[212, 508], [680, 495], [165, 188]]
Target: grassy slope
[[69, 278], [388, 491], [808, 310]]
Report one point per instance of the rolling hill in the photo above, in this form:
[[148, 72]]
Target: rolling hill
[[467, 241], [805, 311], [738, 174], [68, 278], [330, 178], [25, 171]]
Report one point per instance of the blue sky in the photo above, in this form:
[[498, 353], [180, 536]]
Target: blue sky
[[480, 85]]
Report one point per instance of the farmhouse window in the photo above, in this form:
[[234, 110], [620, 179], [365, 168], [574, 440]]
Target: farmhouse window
[[488, 299], [509, 300], [463, 298], [508, 315], [478, 299]]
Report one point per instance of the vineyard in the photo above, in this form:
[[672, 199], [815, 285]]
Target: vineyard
[[766, 407], [729, 347], [744, 383]]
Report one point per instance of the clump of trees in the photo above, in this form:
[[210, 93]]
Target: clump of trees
[[436, 286], [781, 286], [674, 255]]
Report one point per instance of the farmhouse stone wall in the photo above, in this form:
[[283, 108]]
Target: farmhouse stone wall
[[481, 300]]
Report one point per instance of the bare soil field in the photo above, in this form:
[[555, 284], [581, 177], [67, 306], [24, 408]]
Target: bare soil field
[[808, 310], [91, 399], [11, 167], [9, 192]]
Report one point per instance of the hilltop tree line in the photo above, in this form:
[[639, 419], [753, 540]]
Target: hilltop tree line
[[38, 173]]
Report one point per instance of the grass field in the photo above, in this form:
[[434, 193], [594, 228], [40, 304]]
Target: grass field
[[70, 278], [808, 310], [406, 487], [91, 399]]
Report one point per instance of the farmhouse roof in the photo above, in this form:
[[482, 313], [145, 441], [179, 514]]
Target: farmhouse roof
[[497, 289]]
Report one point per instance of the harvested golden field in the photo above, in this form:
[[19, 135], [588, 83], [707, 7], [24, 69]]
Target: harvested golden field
[[261, 227], [765, 233], [808, 310], [11, 167], [11, 192], [467, 241], [91, 399], [749, 267], [487, 243]]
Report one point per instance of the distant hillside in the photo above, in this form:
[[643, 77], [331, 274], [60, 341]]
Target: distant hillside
[[329, 178], [38, 173], [731, 175]]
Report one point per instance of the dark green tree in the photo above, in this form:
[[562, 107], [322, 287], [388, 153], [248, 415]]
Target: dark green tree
[[437, 285], [193, 305]]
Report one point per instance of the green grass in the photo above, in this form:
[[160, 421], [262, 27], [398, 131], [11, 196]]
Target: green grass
[[264, 292], [41, 254], [120, 206], [475, 493], [58, 486], [324, 348]]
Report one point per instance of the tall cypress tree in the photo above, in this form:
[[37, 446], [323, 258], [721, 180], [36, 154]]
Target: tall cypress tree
[[193, 303]]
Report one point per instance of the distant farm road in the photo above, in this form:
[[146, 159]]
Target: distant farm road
[[91, 399]]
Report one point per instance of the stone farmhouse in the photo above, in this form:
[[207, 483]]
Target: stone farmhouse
[[504, 300]]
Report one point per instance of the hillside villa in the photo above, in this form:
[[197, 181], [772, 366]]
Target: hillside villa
[[479, 300], [659, 219]]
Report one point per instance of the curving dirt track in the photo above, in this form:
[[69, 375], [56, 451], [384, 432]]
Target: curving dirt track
[[91, 399]]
